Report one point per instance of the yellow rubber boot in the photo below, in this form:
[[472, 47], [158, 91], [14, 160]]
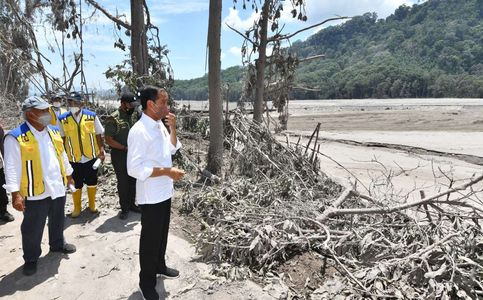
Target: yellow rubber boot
[[76, 197], [91, 195]]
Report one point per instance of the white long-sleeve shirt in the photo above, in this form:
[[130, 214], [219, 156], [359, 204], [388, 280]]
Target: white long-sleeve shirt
[[97, 126], [53, 182], [149, 146]]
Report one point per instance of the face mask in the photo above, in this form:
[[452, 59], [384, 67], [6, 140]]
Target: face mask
[[127, 108], [56, 104], [44, 119], [74, 109]]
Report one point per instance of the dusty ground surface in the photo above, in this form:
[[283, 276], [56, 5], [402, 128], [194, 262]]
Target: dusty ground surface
[[403, 136], [106, 266], [436, 135]]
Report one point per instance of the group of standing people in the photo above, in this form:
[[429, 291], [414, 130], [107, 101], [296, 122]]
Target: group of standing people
[[56, 149]]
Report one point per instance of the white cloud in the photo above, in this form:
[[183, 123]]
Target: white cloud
[[222, 55], [235, 50], [233, 19], [319, 10]]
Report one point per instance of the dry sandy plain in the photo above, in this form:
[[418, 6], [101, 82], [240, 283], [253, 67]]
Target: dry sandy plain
[[412, 140]]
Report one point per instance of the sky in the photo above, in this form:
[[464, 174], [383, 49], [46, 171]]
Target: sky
[[183, 28]]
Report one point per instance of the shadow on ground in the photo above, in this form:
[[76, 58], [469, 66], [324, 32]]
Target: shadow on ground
[[47, 267]]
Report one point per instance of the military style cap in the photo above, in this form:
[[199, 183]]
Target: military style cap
[[128, 97], [34, 102]]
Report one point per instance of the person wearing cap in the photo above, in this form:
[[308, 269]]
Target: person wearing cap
[[149, 161], [4, 214], [118, 125], [56, 109], [37, 172], [82, 133]]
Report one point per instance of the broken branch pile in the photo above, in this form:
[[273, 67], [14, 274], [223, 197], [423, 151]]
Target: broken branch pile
[[275, 203]]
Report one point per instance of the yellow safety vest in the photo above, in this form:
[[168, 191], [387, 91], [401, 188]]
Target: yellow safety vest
[[79, 139], [53, 120], [32, 181]]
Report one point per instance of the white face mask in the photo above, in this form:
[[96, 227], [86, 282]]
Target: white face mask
[[74, 109], [56, 104], [45, 119]]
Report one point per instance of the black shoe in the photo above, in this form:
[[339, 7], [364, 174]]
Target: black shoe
[[135, 209], [123, 215], [66, 249], [169, 273], [7, 217], [149, 294], [29, 268]]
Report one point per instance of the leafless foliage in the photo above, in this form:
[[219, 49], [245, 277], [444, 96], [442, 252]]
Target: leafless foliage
[[274, 203]]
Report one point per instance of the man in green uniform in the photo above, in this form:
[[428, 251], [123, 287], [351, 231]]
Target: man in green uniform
[[117, 129]]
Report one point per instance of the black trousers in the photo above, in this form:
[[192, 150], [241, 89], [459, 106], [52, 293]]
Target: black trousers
[[83, 173], [126, 185], [154, 238], [3, 193], [32, 228]]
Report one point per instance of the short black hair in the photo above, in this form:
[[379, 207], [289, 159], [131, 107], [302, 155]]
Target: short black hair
[[148, 93]]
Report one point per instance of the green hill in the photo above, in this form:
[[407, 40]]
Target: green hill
[[433, 49], [197, 89]]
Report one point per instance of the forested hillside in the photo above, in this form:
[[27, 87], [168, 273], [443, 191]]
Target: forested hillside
[[433, 49]]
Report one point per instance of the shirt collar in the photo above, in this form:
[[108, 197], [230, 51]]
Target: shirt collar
[[149, 122]]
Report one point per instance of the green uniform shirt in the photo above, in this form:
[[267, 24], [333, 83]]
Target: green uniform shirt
[[118, 125]]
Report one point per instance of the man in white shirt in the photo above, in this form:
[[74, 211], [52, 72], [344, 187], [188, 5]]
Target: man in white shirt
[[56, 109], [37, 172], [150, 147], [82, 133], [4, 214]]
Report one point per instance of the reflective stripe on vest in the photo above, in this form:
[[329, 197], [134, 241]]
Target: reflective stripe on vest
[[32, 180], [80, 139]]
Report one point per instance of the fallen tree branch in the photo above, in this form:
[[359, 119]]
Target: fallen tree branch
[[386, 210]]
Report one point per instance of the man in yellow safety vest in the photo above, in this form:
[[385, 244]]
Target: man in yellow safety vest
[[56, 109], [82, 133], [37, 172]]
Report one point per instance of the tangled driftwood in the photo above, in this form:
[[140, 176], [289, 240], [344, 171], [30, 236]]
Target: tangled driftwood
[[275, 203]]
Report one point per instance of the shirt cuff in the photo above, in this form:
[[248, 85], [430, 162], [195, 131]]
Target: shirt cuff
[[69, 171], [173, 149], [144, 173], [11, 188]]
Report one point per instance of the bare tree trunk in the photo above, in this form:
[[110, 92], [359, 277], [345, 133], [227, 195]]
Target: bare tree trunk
[[261, 63], [139, 51], [215, 152]]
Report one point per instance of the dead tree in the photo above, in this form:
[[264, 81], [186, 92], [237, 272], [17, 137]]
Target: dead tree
[[257, 37], [215, 152]]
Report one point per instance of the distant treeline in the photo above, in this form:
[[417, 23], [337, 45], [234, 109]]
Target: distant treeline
[[433, 49]]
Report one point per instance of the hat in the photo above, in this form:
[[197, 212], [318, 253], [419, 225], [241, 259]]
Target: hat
[[128, 97], [58, 95], [34, 102], [74, 96]]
